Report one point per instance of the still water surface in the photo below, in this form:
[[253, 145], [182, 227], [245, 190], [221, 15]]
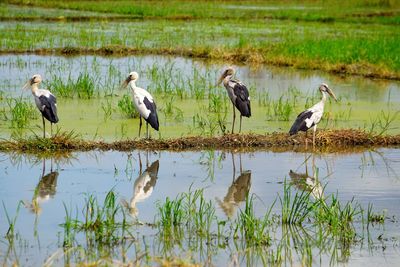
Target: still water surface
[[368, 177]]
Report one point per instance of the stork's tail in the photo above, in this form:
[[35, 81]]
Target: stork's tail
[[153, 120], [294, 129]]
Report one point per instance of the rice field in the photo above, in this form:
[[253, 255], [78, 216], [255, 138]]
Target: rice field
[[95, 194]]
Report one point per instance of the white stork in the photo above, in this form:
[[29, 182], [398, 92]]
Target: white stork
[[144, 103], [312, 116], [238, 94], [45, 101]]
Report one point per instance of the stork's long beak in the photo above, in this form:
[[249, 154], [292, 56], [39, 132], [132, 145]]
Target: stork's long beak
[[332, 94], [220, 79], [125, 83], [27, 84]]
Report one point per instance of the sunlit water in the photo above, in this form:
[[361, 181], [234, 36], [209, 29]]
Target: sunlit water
[[368, 177]]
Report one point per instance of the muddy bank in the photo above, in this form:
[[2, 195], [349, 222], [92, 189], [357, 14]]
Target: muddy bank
[[326, 140]]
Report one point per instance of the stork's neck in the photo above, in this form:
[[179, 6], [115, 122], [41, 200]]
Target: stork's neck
[[132, 85], [34, 88], [323, 99], [227, 78]]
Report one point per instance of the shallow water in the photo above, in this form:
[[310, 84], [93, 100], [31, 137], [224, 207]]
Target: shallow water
[[368, 177], [184, 88]]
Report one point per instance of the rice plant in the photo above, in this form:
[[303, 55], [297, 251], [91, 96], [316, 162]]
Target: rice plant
[[22, 113], [12, 221], [83, 87], [127, 108], [253, 229], [107, 109], [295, 209]]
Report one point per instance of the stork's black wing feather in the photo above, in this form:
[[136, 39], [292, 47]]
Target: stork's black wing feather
[[300, 123], [153, 118], [242, 98], [49, 110]]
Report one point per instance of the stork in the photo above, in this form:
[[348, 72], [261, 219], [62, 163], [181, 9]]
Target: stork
[[45, 101], [143, 102], [312, 116], [238, 94]]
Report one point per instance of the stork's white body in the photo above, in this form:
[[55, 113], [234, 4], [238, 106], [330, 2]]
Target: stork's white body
[[145, 105], [138, 95], [41, 92], [317, 112]]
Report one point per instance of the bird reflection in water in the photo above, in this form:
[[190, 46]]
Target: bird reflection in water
[[307, 182], [238, 190], [45, 189], [143, 186]]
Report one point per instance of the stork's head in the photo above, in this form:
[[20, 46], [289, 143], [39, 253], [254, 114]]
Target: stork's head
[[229, 71], [133, 76], [36, 79], [325, 89]]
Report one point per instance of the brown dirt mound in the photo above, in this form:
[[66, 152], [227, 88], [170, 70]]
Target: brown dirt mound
[[327, 140]]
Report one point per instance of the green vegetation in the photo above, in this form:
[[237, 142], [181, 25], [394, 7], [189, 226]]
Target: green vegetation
[[308, 35], [311, 10], [126, 107], [329, 140], [184, 223], [92, 104], [20, 113], [82, 87]]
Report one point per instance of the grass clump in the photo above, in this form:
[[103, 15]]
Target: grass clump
[[295, 209], [189, 222], [103, 225], [83, 87], [127, 108], [256, 231], [327, 140], [21, 113]]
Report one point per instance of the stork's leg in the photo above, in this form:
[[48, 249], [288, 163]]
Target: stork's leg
[[234, 117], [147, 130], [306, 140], [51, 129], [240, 126], [140, 124], [315, 130], [44, 127]]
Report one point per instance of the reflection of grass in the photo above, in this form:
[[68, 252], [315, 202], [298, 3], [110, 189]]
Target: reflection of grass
[[189, 220]]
